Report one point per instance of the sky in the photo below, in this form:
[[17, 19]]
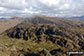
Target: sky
[[25, 8]]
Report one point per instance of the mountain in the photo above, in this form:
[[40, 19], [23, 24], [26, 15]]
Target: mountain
[[78, 17], [43, 36], [52, 20]]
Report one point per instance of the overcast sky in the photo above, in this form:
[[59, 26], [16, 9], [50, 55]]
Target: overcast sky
[[61, 8]]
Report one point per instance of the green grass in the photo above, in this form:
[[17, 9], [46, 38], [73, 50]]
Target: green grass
[[20, 44]]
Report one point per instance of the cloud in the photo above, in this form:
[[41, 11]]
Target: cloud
[[63, 8], [12, 4], [50, 2]]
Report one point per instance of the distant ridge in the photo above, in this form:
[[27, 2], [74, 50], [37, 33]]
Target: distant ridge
[[2, 18], [78, 17]]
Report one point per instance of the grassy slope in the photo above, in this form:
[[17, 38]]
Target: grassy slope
[[9, 46], [6, 24], [15, 47]]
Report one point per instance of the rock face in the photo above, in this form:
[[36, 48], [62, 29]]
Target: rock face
[[55, 37], [47, 32]]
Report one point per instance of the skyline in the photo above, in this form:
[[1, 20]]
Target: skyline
[[25, 8]]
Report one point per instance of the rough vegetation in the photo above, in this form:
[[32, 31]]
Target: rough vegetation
[[43, 37]]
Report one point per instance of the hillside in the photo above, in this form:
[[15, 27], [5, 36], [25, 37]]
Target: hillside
[[78, 17], [9, 23], [43, 36], [53, 20]]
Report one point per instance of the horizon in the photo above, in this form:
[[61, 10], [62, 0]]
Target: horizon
[[74, 17]]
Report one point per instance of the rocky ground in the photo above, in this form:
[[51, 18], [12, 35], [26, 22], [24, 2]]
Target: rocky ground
[[43, 37]]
